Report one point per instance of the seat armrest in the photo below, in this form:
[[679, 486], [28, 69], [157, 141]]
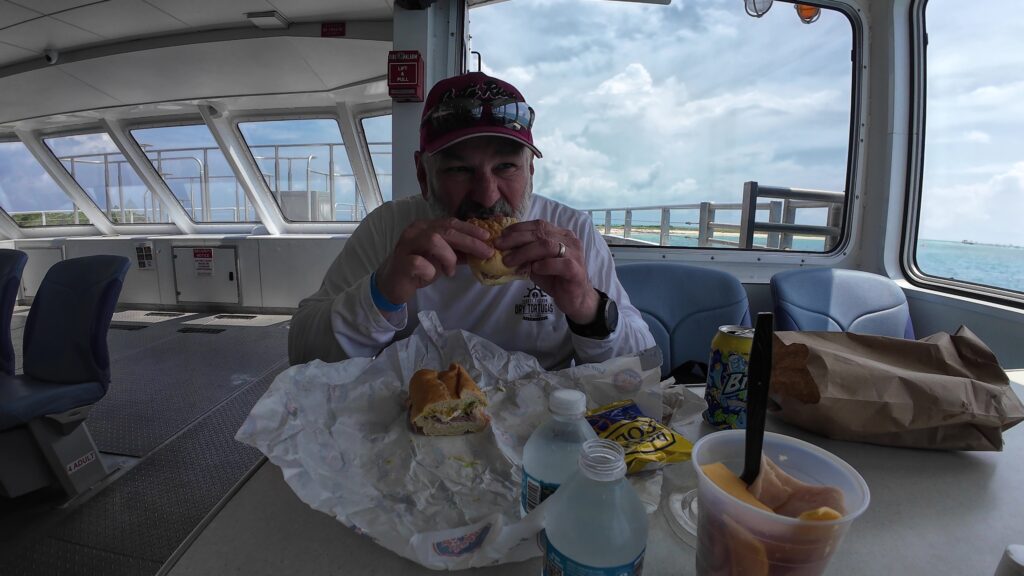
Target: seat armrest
[[66, 422]]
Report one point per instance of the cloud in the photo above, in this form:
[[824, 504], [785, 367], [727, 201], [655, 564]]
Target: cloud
[[81, 145], [25, 186], [981, 211], [645, 104], [977, 136]]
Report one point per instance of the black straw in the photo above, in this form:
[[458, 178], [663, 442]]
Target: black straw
[[759, 371]]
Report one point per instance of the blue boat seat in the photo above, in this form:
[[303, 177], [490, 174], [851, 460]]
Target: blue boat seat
[[12, 264], [839, 300], [22, 399], [66, 368], [684, 305]]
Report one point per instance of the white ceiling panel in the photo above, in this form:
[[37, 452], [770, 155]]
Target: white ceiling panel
[[51, 91], [9, 54], [207, 13], [363, 59], [122, 18], [43, 33], [298, 10], [201, 71], [51, 6], [11, 14]]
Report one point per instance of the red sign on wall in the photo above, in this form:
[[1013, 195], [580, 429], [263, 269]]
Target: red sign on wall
[[332, 29], [405, 75]]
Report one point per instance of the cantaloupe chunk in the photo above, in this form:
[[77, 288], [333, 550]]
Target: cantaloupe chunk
[[731, 483], [820, 514]]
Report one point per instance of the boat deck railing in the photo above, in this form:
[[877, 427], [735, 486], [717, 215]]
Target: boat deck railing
[[778, 230]]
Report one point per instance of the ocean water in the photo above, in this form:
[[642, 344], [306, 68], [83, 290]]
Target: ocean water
[[998, 266], [986, 264]]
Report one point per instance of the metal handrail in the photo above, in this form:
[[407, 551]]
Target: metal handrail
[[780, 228]]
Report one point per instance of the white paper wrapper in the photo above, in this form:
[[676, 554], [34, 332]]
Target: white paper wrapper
[[340, 434]]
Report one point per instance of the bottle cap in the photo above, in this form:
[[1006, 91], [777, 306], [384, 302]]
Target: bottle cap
[[1012, 563], [603, 460], [567, 402]]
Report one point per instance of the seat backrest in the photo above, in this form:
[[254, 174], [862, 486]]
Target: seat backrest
[[684, 305], [838, 300], [12, 264], [66, 332]]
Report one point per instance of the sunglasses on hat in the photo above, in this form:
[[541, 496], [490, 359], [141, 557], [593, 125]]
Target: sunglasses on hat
[[465, 112]]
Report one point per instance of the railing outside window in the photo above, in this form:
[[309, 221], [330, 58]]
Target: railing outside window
[[710, 231]]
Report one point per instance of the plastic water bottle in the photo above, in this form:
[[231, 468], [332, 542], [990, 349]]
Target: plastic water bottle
[[550, 455], [597, 526]]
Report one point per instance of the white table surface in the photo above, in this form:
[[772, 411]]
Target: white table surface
[[931, 512]]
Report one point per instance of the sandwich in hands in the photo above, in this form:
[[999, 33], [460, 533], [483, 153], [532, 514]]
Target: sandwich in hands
[[446, 403], [492, 271]]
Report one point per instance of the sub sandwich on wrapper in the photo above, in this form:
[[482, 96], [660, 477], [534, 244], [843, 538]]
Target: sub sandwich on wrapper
[[446, 403]]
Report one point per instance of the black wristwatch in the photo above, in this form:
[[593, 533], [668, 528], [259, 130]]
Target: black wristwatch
[[603, 324]]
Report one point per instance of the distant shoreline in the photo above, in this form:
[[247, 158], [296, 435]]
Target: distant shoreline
[[976, 243], [619, 230]]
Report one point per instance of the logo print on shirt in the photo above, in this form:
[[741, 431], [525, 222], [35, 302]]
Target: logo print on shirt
[[536, 305]]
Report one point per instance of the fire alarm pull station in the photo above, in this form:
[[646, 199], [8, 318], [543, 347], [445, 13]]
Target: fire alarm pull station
[[405, 76]]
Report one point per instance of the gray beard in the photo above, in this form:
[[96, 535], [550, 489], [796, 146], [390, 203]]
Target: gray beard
[[469, 209]]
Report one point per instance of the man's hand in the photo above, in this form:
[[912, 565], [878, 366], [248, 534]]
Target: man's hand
[[425, 250], [534, 247]]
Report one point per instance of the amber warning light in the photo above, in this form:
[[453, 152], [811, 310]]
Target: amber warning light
[[405, 76]]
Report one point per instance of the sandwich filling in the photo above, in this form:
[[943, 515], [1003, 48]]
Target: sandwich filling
[[446, 402], [493, 271]]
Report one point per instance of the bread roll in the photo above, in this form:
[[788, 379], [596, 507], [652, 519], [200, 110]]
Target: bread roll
[[492, 271], [446, 403]]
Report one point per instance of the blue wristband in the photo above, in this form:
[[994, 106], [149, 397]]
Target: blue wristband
[[379, 300]]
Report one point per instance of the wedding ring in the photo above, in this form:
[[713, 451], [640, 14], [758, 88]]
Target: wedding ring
[[561, 250]]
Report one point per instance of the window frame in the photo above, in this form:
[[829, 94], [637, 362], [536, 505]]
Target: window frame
[[242, 117], [41, 136], [85, 129], [375, 111], [848, 242], [918, 102], [189, 120]]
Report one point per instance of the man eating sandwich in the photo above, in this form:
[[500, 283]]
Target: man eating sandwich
[[555, 295]]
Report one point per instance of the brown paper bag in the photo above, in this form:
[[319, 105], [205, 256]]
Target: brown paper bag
[[942, 392]]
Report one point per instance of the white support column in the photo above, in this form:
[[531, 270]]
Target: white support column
[[437, 34], [9, 229], [56, 171], [358, 158], [237, 155], [150, 177]]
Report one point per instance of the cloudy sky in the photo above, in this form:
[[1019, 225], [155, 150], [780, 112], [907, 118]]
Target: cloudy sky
[[647, 105]]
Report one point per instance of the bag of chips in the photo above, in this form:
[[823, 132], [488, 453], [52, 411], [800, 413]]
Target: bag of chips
[[648, 443]]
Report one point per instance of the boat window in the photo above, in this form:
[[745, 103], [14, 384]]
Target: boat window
[[659, 120], [972, 181], [306, 168], [377, 131], [94, 161], [194, 168], [29, 194]]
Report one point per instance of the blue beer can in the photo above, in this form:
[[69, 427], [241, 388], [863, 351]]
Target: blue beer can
[[726, 390]]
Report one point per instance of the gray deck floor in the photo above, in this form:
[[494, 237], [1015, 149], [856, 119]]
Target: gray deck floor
[[175, 401]]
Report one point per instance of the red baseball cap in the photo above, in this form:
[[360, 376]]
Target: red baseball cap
[[474, 104]]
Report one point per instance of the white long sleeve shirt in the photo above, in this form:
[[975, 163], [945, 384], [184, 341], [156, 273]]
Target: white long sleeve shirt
[[340, 320]]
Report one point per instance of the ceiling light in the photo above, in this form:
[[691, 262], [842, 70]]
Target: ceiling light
[[269, 20], [757, 8]]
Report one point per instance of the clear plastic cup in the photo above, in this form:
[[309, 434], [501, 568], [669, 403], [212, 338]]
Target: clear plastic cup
[[734, 537]]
